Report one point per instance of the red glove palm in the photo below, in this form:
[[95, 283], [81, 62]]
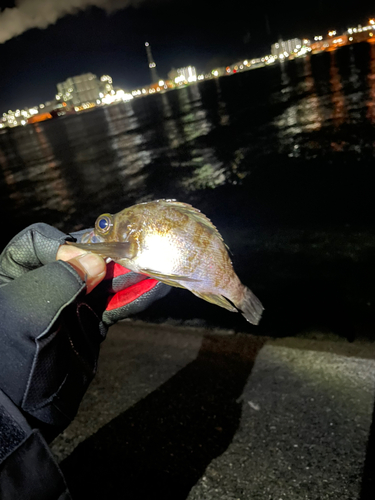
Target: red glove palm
[[128, 292]]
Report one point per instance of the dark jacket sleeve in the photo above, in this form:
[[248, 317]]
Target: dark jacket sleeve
[[28, 470], [50, 335], [50, 339], [50, 343]]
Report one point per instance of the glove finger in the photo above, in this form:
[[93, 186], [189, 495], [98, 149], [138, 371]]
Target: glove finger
[[133, 300], [33, 247], [119, 277]]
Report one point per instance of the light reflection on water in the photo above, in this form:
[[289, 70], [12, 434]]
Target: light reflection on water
[[222, 137]]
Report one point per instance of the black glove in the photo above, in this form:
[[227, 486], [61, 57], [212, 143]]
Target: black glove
[[50, 330]]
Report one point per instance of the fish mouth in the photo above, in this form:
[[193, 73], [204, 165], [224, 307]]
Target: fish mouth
[[91, 237]]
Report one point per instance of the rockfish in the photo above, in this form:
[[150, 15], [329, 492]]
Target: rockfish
[[178, 245]]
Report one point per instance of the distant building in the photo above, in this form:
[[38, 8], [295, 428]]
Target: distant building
[[106, 84], [47, 106], [286, 48], [330, 43], [82, 89], [172, 75], [188, 74]]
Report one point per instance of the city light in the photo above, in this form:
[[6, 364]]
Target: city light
[[86, 91], [108, 99]]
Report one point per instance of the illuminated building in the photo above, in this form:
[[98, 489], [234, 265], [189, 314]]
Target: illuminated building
[[80, 89], [286, 48], [47, 106], [362, 33], [188, 74], [106, 84], [330, 43], [151, 64]]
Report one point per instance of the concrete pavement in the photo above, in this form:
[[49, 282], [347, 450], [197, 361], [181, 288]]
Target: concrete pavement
[[187, 413]]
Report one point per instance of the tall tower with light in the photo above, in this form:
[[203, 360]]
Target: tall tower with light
[[151, 64]]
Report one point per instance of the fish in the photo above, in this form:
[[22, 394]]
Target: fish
[[176, 244]]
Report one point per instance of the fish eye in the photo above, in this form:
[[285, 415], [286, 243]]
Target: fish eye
[[104, 223]]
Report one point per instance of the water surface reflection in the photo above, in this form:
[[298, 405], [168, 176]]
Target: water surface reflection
[[239, 138]]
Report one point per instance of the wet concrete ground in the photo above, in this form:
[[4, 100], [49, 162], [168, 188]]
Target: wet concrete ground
[[187, 413]]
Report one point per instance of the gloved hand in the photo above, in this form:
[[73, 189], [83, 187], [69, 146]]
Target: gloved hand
[[51, 329], [124, 292], [127, 292]]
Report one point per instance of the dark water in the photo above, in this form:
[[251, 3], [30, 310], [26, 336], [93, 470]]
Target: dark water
[[280, 158]]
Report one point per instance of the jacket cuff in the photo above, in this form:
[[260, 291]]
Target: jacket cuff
[[27, 467]]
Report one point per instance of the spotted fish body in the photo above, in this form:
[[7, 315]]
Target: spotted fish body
[[178, 245]]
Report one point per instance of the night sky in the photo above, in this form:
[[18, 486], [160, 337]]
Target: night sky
[[196, 32]]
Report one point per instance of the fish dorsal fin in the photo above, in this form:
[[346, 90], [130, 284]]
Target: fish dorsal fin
[[194, 213]]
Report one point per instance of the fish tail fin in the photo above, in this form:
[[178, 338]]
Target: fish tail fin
[[250, 307]]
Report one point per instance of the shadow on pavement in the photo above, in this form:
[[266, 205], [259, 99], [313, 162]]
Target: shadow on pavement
[[164, 443], [368, 478]]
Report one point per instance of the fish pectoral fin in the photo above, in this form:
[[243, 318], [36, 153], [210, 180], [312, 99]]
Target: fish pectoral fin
[[116, 250], [219, 300], [166, 277]]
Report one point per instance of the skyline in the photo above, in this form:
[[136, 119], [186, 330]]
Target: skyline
[[93, 40]]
